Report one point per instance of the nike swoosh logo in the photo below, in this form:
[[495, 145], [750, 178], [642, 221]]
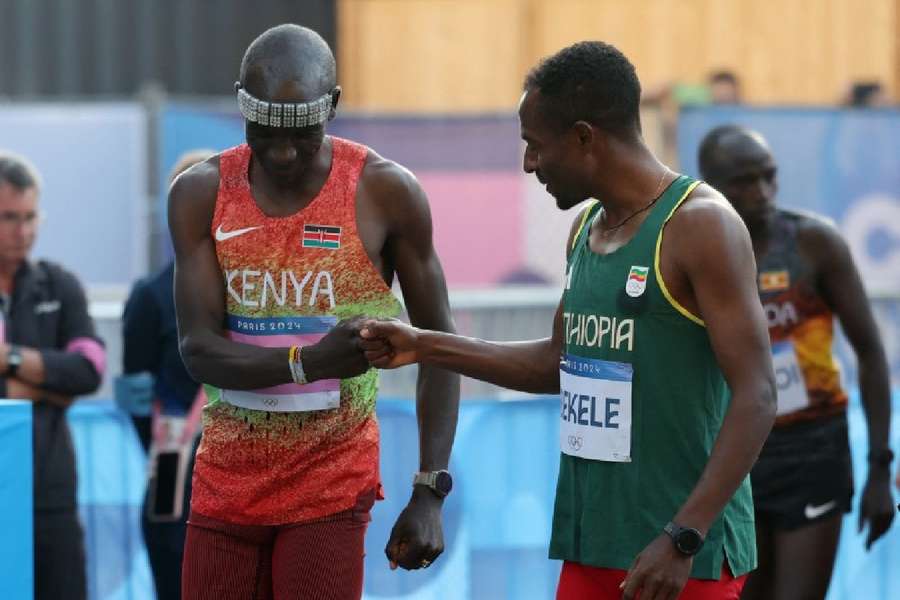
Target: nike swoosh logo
[[813, 512], [221, 236]]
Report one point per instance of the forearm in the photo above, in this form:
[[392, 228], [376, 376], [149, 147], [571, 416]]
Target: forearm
[[68, 373], [529, 366], [744, 430], [437, 408], [218, 361], [21, 390], [875, 391]]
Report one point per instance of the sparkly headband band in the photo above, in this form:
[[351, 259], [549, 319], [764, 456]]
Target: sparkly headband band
[[284, 114]]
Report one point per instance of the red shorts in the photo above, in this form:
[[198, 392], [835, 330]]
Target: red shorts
[[577, 581], [321, 559]]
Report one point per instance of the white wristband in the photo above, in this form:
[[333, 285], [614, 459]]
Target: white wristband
[[297, 372]]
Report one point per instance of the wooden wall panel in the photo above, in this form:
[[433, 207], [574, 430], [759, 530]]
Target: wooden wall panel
[[793, 51], [470, 55], [430, 55]]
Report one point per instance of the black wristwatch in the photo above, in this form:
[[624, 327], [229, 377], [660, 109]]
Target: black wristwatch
[[687, 540], [13, 361], [440, 482]]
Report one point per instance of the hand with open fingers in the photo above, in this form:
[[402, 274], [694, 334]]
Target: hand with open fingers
[[417, 538], [659, 572], [877, 506], [389, 343]]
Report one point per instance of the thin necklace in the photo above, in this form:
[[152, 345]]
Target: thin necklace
[[656, 196]]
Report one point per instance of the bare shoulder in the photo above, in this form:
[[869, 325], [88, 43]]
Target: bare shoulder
[[201, 181], [815, 233], [707, 235], [386, 179], [193, 193], [708, 212], [192, 201], [392, 189]]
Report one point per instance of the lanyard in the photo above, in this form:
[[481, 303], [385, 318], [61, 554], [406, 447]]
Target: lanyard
[[191, 422]]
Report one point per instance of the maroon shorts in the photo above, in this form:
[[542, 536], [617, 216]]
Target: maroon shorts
[[321, 559], [577, 581]]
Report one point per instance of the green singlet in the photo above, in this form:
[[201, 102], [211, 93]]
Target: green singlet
[[642, 402]]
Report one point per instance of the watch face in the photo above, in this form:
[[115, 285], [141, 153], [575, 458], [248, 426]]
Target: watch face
[[443, 482], [689, 541]]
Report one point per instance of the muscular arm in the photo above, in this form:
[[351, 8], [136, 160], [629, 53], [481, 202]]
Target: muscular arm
[[208, 354], [410, 250], [840, 285], [719, 269], [528, 366]]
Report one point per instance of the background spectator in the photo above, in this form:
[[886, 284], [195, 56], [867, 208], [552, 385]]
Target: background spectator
[[49, 354]]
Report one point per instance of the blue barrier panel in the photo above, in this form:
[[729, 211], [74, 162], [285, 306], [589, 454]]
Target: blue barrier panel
[[111, 467], [496, 521], [17, 549]]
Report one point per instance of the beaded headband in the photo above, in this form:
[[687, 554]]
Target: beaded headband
[[284, 114]]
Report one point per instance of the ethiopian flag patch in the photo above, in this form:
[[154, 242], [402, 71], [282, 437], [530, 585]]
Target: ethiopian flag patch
[[321, 236], [637, 281]]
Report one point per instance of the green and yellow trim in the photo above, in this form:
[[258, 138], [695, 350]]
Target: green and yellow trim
[[584, 218], [659, 278]]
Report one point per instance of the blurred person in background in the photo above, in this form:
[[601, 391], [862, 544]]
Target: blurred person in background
[[803, 483], [150, 347], [724, 87], [275, 241], [866, 94], [665, 101], [49, 354], [721, 87], [653, 498]]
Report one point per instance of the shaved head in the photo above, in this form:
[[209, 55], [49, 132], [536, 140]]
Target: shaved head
[[738, 162], [724, 144], [288, 54]]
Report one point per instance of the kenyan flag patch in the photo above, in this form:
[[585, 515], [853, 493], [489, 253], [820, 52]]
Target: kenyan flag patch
[[637, 281], [321, 236]]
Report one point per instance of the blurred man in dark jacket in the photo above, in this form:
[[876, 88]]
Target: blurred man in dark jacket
[[49, 354]]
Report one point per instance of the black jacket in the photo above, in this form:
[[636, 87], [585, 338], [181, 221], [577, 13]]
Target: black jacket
[[150, 341], [48, 309]]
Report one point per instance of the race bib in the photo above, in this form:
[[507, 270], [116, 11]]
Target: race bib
[[792, 393], [595, 420], [277, 332]]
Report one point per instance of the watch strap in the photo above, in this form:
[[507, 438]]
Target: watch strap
[[432, 480], [674, 531], [671, 529], [425, 478], [13, 360]]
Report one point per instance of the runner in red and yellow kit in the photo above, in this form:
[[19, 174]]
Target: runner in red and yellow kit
[[802, 483], [276, 241]]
